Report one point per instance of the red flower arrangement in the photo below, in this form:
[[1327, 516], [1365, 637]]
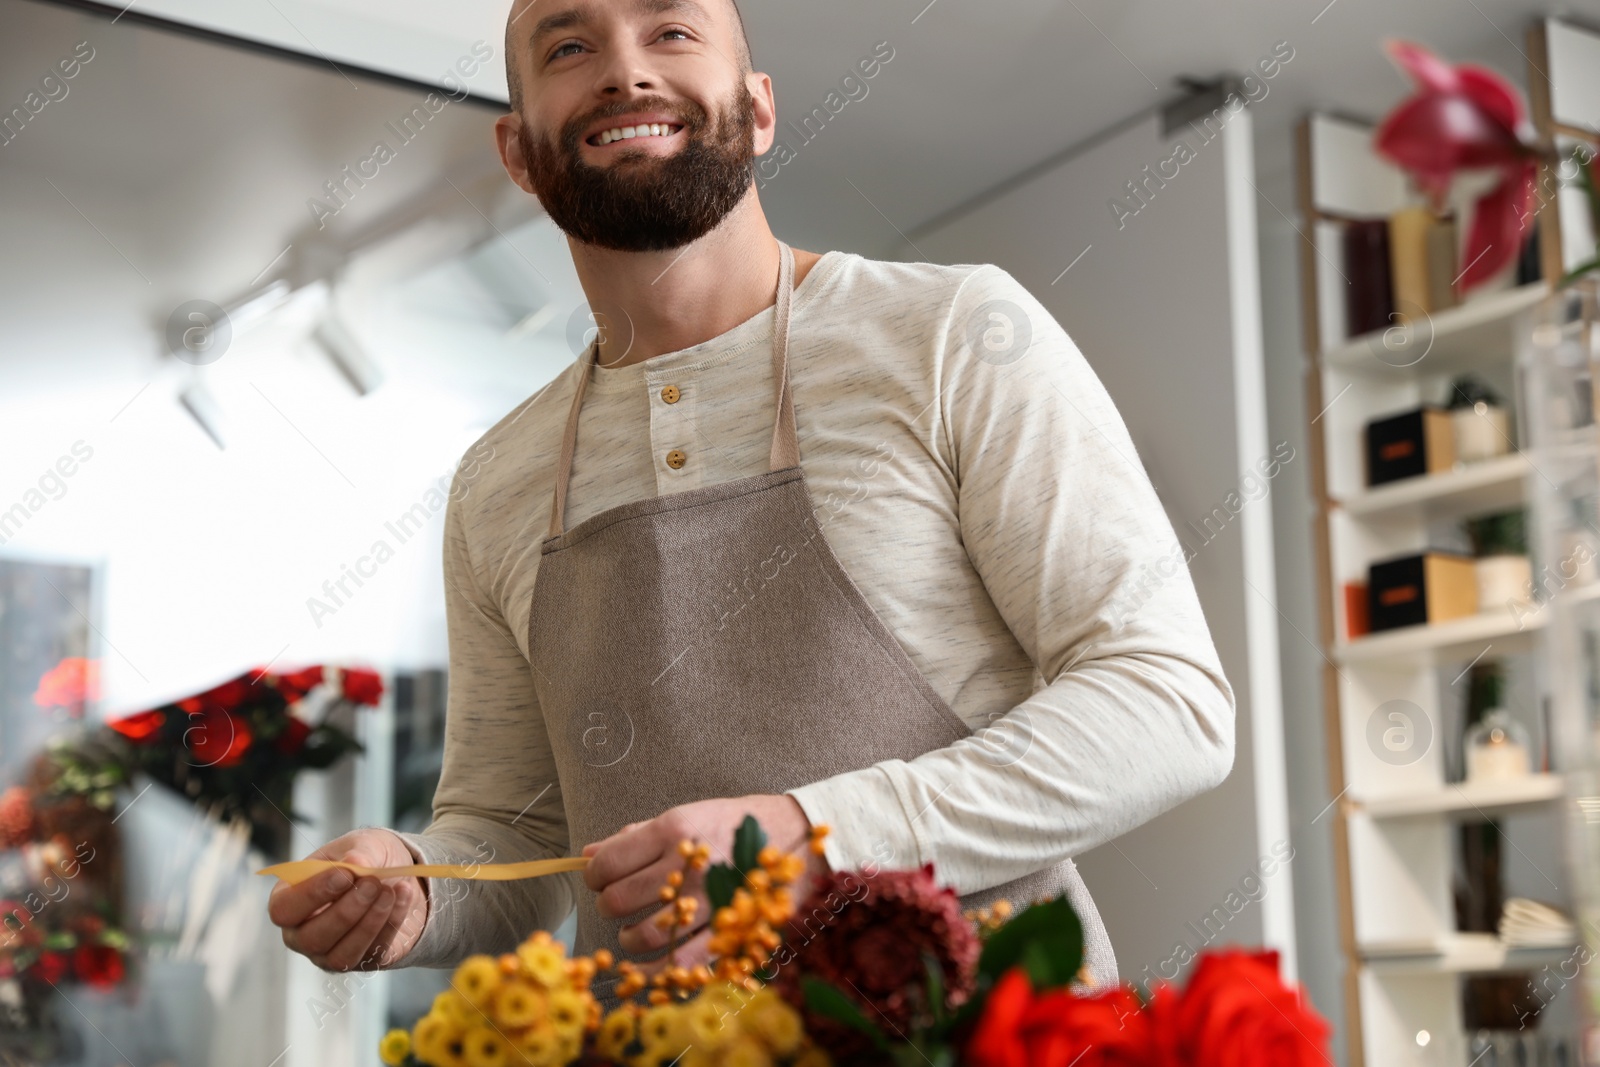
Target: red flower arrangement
[[70, 684], [902, 976], [236, 747], [1465, 118]]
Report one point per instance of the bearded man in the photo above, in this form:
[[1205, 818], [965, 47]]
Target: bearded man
[[820, 538]]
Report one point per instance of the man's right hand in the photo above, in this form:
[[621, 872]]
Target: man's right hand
[[341, 922]]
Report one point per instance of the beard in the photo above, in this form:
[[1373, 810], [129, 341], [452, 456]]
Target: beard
[[641, 202]]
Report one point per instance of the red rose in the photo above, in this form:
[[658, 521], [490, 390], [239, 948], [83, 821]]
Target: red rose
[[228, 695], [98, 965], [217, 738], [362, 686], [1057, 1028], [297, 685], [50, 966], [293, 738], [141, 726], [1237, 1011]]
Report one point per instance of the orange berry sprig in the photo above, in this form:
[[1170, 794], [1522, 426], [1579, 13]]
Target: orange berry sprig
[[744, 930]]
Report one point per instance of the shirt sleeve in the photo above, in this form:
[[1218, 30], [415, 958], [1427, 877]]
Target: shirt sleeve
[[1062, 525], [498, 799]]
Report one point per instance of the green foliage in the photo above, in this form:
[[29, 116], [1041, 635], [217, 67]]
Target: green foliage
[[1501, 534], [722, 880], [829, 1001], [1468, 389]]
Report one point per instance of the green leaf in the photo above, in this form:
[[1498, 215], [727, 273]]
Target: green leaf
[[936, 994], [1579, 271], [827, 1000], [748, 841], [721, 880], [59, 939], [1047, 939]]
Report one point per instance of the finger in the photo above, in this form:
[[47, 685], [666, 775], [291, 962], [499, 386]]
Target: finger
[[352, 947], [629, 850], [690, 953], [648, 935], [290, 905], [320, 933], [638, 890]]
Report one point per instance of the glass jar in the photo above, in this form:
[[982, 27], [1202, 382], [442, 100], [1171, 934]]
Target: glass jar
[[1497, 748]]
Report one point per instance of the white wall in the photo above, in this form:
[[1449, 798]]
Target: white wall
[[1164, 308]]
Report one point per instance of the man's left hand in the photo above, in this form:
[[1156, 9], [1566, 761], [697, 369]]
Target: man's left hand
[[629, 868]]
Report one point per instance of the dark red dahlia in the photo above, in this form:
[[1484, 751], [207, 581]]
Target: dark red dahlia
[[866, 935]]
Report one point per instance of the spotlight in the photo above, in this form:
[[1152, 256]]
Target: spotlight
[[348, 355]]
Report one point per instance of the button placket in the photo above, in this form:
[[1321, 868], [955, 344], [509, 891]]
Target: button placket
[[672, 437]]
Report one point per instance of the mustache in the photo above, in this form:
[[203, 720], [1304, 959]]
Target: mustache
[[693, 117]]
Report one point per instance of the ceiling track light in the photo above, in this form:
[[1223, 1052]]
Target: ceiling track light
[[348, 355]]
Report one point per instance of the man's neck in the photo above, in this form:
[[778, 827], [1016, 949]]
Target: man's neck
[[648, 303]]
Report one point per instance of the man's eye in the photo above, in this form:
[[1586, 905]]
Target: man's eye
[[680, 33], [558, 52]]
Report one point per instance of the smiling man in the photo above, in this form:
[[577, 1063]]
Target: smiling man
[[818, 538]]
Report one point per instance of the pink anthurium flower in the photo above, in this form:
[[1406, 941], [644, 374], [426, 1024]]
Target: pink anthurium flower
[[1464, 118]]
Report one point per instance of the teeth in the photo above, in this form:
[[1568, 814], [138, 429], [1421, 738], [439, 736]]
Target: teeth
[[624, 133]]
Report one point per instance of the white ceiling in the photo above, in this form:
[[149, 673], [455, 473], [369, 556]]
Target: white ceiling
[[975, 92]]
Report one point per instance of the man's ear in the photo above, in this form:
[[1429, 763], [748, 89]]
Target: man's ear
[[510, 148], [766, 112]]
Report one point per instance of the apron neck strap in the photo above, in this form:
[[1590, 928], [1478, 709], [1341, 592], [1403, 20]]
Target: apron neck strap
[[785, 450]]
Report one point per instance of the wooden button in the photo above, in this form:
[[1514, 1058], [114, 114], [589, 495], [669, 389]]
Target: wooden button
[[676, 458], [670, 394]]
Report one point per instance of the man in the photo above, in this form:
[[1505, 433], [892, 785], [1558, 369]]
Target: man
[[869, 548]]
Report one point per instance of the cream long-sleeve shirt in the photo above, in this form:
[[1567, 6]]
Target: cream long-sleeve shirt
[[975, 480]]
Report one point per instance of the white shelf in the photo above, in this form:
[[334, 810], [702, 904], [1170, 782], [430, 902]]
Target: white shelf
[[1501, 629], [1457, 339], [1470, 489], [1458, 954], [1467, 798]]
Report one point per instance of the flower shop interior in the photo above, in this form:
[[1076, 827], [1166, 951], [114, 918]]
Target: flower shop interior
[[310, 289]]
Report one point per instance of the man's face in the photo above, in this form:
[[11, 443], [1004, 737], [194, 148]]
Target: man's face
[[620, 66]]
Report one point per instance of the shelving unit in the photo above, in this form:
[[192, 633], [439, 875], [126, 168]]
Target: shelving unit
[[1399, 812]]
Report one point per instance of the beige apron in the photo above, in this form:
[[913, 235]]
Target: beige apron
[[656, 695]]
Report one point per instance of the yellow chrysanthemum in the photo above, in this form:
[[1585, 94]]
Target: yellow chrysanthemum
[[482, 1046], [813, 1057], [477, 978], [656, 1025], [705, 1024], [545, 963], [775, 1023], [540, 1045], [567, 1011], [616, 1033], [568, 1046], [432, 1031], [457, 1008], [518, 1004], [745, 1051], [447, 1051], [394, 1048]]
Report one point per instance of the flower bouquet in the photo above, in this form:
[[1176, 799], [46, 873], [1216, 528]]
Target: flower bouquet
[[234, 749], [874, 967]]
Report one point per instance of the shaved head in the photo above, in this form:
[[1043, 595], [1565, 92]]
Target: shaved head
[[514, 44]]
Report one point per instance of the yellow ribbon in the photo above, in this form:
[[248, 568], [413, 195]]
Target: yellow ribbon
[[296, 871]]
